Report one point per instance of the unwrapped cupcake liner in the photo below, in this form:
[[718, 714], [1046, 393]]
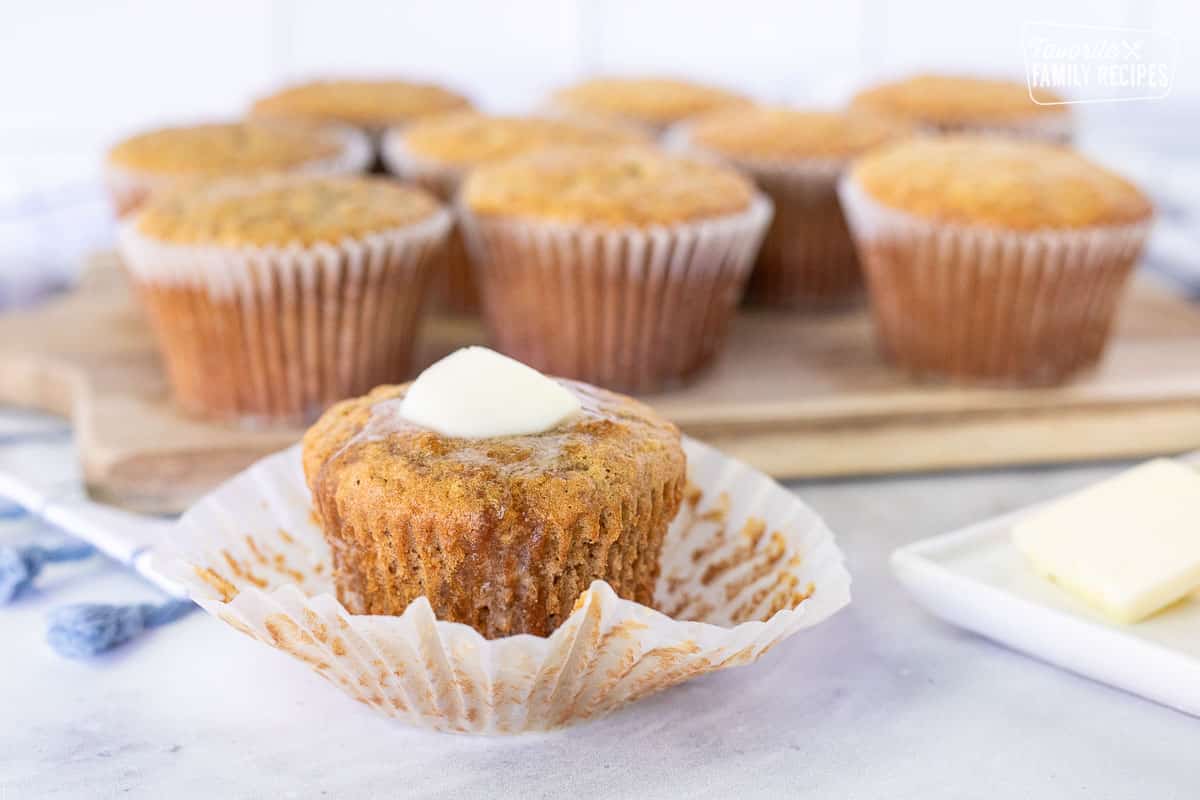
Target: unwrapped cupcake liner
[[744, 565], [807, 259], [129, 189], [454, 284], [277, 334], [959, 301], [626, 308]]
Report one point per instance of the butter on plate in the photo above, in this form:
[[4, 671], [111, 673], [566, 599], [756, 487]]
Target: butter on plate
[[1128, 546]]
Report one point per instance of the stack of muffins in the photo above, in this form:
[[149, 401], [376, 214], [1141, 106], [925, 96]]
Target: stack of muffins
[[611, 236], [607, 239]]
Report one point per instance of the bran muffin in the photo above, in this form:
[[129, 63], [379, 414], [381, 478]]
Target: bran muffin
[[796, 156], [499, 533], [993, 259], [618, 267], [271, 302], [438, 153], [956, 104], [169, 158], [370, 105], [654, 103]]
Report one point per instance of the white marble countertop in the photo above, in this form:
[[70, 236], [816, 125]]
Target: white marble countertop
[[882, 701]]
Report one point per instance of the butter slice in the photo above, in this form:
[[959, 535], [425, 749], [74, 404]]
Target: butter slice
[[1128, 546]]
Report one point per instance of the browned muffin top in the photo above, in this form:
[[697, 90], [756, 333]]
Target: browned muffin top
[[992, 181], [657, 101], [613, 439], [626, 186], [469, 139], [787, 134], [948, 99], [284, 212], [362, 102], [237, 148]]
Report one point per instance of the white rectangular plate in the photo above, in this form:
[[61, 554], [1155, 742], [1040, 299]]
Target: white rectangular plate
[[975, 578]]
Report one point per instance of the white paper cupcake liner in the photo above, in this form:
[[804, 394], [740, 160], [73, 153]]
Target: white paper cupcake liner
[[988, 304], [745, 561], [276, 334], [1052, 128], [632, 309], [807, 259], [129, 188]]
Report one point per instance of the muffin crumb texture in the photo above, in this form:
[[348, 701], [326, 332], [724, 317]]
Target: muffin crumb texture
[[629, 186], [997, 182], [286, 212], [657, 101], [502, 534], [784, 134], [360, 102], [470, 139], [240, 148], [958, 100]]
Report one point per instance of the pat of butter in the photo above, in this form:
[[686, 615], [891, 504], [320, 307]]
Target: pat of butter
[[1129, 546], [476, 393]]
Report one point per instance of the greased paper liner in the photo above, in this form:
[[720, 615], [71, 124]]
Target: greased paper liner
[[276, 334], [453, 280], [745, 558], [626, 308], [807, 259], [130, 188], [980, 303]]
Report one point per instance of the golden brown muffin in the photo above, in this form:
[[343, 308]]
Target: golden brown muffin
[[501, 534], [437, 153], [271, 302], [954, 103], [618, 187], [370, 104], [796, 157], [998, 182], [621, 268], [993, 259], [654, 102], [170, 157], [318, 210]]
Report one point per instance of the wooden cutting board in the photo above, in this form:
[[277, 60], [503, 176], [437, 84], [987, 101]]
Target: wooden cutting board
[[797, 395]]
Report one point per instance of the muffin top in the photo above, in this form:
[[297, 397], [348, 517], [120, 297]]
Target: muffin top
[[284, 212], [948, 99], [775, 134], [236, 148], [612, 439], [657, 101], [364, 103], [471, 139], [993, 181], [621, 186]]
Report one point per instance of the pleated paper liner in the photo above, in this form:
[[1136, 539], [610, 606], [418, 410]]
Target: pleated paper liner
[[745, 565], [632, 309], [990, 305], [273, 335], [128, 189]]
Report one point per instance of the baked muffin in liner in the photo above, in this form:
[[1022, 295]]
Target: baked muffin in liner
[[130, 188], [744, 565], [807, 259], [456, 283], [276, 334], [636, 309], [978, 303]]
